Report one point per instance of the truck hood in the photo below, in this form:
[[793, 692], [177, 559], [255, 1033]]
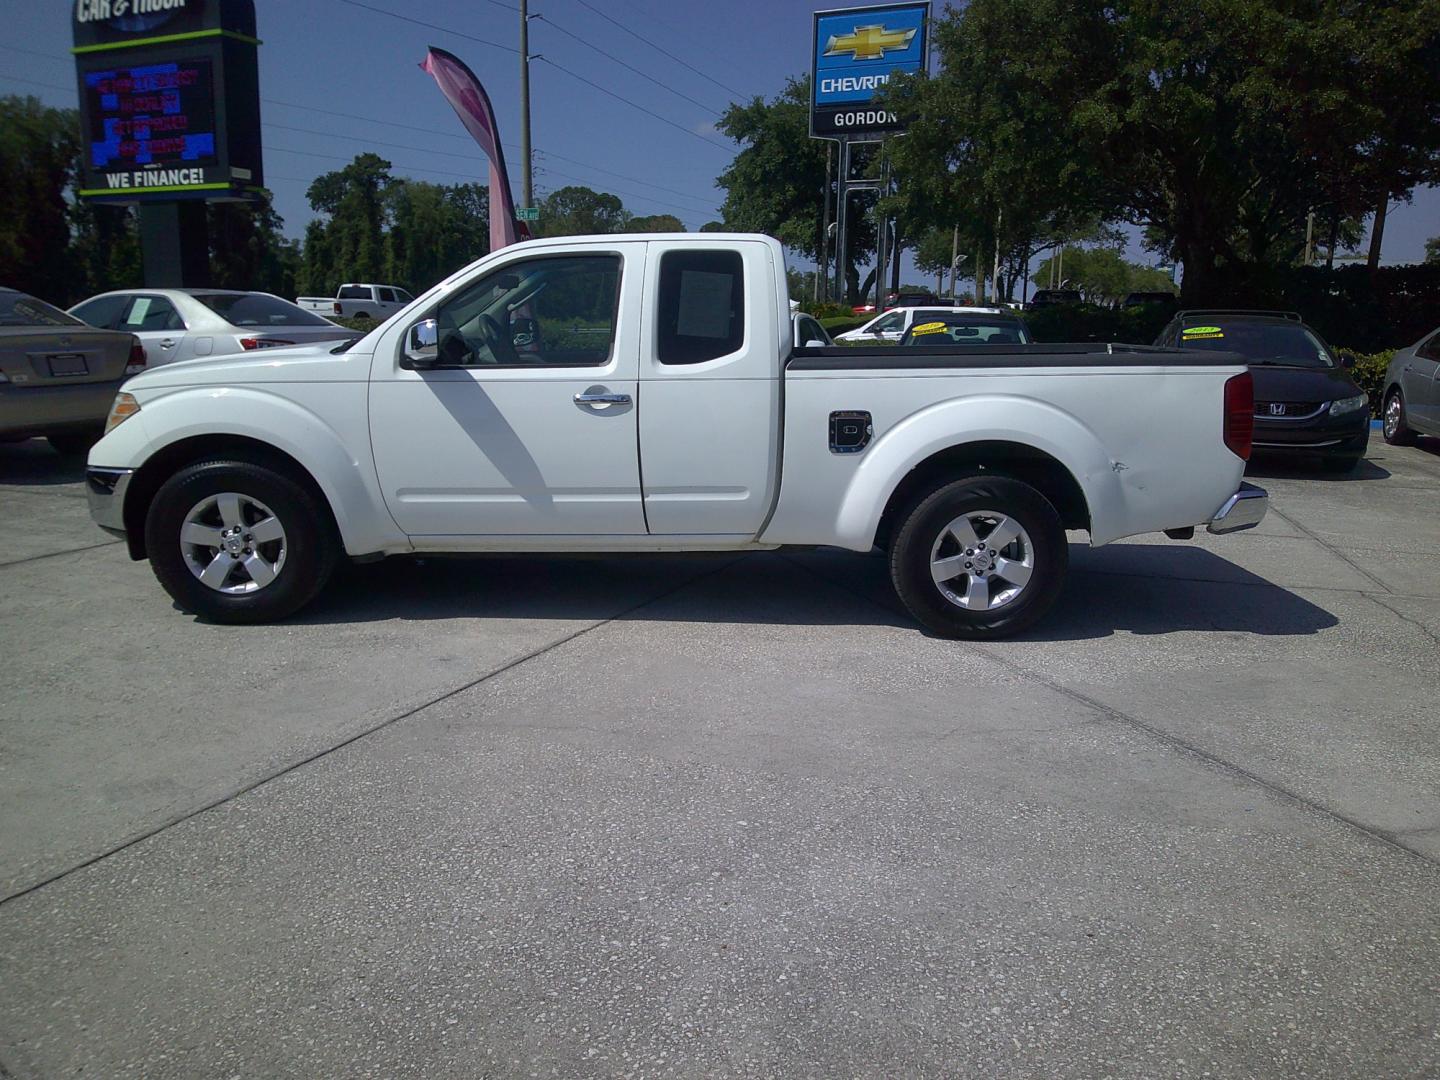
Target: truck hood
[[302, 363]]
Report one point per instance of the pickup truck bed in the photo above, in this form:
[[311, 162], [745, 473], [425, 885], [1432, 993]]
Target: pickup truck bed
[[644, 393]]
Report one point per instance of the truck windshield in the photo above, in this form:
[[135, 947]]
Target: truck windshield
[[258, 309], [1282, 344]]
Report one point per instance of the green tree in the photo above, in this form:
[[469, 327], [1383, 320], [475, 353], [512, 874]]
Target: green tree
[[39, 149], [776, 184], [1432, 250], [579, 211], [434, 231], [656, 223], [1220, 126], [1103, 275], [353, 202], [248, 249], [105, 245]]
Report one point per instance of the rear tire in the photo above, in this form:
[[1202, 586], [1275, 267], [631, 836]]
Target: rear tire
[[981, 558], [239, 542], [1392, 423], [74, 443]]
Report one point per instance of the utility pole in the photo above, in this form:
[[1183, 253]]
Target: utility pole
[[954, 258], [824, 268], [1310, 238], [529, 184]]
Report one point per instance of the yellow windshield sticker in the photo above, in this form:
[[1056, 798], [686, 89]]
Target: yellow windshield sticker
[[1192, 332], [929, 328]]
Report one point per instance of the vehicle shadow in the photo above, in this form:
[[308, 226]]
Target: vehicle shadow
[[1166, 589], [33, 463], [1283, 469]]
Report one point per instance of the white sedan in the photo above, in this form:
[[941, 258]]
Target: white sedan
[[183, 324], [891, 326]]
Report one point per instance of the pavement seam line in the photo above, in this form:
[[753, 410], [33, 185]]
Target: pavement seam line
[[285, 770], [1403, 617], [57, 554], [1342, 556], [1174, 742]]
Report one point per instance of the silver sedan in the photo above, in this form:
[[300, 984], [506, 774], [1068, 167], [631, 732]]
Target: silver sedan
[[1412, 392], [185, 324]]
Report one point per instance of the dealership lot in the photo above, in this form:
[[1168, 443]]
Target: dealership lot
[[730, 815]]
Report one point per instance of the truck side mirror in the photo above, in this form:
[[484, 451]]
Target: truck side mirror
[[422, 344], [1347, 360]]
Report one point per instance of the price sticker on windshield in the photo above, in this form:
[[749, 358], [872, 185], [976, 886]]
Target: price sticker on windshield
[[1199, 333], [929, 328]]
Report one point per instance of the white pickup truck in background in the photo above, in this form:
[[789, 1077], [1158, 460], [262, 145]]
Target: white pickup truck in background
[[645, 393], [375, 303]]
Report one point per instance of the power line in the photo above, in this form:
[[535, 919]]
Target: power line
[[552, 63], [660, 49], [630, 67], [633, 105], [433, 26]]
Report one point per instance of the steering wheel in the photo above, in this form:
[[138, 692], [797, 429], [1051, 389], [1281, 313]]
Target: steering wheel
[[499, 343]]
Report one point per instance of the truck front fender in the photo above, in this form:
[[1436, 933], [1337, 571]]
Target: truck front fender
[[334, 451], [988, 418]]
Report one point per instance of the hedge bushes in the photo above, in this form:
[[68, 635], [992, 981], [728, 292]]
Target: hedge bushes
[[1369, 373], [840, 324]]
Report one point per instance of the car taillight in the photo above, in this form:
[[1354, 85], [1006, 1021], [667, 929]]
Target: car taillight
[[1240, 415], [337, 307], [136, 364], [248, 343]]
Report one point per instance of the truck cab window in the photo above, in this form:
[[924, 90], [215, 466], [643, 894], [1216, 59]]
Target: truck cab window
[[552, 312], [701, 306]]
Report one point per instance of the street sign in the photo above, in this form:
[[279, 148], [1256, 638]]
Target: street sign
[[527, 213], [854, 53]]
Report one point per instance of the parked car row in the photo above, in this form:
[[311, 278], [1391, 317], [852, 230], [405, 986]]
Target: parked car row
[[59, 371]]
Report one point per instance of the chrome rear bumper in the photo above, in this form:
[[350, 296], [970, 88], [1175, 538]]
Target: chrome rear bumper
[[106, 489], [1243, 510]]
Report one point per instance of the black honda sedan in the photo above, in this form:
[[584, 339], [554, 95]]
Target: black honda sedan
[[1305, 403]]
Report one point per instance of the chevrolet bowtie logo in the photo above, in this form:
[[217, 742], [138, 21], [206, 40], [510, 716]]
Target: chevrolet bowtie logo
[[869, 42]]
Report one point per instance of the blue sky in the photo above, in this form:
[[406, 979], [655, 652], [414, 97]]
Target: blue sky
[[347, 57]]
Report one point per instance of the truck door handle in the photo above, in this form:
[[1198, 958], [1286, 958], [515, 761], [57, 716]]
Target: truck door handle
[[168, 343], [602, 401]]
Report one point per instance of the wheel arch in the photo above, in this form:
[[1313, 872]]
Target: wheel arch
[[1022, 438], [987, 457], [170, 459]]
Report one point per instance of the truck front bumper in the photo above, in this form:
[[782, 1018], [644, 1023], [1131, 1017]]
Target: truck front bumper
[[1243, 510], [106, 489]]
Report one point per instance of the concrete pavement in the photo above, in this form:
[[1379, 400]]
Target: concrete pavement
[[719, 816]]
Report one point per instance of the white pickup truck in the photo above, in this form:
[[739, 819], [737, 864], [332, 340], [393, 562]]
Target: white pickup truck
[[641, 394], [374, 303]]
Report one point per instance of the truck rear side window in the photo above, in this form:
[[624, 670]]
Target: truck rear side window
[[702, 306]]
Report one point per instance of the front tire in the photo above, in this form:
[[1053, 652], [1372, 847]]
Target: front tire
[[1392, 425], [981, 558], [239, 542]]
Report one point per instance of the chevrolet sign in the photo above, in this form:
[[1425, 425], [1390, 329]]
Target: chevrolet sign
[[855, 53]]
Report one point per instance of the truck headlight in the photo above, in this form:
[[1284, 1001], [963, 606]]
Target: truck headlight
[[1349, 405], [125, 406]]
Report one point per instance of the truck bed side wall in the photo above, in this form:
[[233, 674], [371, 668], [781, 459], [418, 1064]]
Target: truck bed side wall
[[1144, 444]]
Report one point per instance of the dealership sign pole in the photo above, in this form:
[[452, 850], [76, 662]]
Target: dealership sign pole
[[170, 119], [854, 53]]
